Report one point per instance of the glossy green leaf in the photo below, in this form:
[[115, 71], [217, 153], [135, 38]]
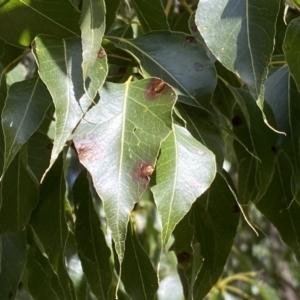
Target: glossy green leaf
[[138, 275], [118, 142], [151, 15], [49, 224], [185, 170], [262, 138], [19, 196], [279, 204], [92, 24], [292, 49], [12, 263], [241, 36], [92, 248], [215, 221], [25, 108], [193, 75], [33, 17]]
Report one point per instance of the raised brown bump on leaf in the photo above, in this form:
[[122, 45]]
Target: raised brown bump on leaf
[[101, 53], [143, 171], [154, 88]]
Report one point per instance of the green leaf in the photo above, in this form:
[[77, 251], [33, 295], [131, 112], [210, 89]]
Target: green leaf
[[241, 36], [185, 170], [118, 142], [215, 222], [138, 275], [262, 138], [9, 55], [49, 224], [193, 76], [92, 24], [151, 15], [292, 49], [92, 248], [19, 196], [279, 205], [13, 263], [24, 111], [33, 17]]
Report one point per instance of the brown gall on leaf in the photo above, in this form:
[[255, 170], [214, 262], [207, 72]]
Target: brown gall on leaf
[[144, 171], [154, 88], [101, 53]]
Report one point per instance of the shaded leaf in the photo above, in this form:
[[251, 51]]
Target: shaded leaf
[[19, 196], [111, 11], [39, 153], [33, 17], [185, 170], [151, 15], [92, 248], [49, 224], [283, 97], [291, 49], [92, 24], [138, 275], [13, 263], [25, 108], [262, 138], [193, 76], [39, 278], [241, 36], [8, 55], [118, 142], [202, 126], [279, 205], [215, 221]]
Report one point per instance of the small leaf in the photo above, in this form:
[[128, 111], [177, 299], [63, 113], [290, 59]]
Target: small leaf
[[33, 17], [92, 248], [19, 196], [151, 15], [291, 48], [139, 278], [118, 141], [241, 36], [193, 75], [185, 170], [24, 111], [279, 205], [14, 256], [92, 24]]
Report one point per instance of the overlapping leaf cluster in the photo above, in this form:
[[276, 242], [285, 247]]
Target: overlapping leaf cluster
[[147, 102]]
